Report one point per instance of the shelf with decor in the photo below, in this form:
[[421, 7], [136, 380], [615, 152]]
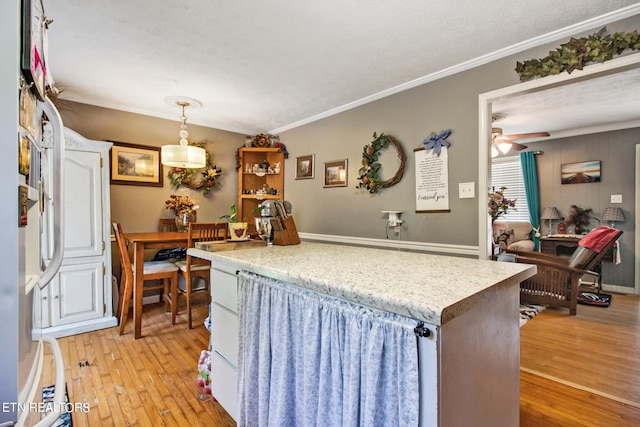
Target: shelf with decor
[[260, 177]]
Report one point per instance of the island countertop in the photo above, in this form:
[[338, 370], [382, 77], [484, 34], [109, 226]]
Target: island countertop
[[425, 287]]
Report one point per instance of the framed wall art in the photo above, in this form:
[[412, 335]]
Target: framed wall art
[[23, 198], [580, 173], [133, 164], [305, 166], [335, 173], [33, 49], [24, 155]]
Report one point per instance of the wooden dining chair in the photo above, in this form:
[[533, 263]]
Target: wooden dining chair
[[193, 268], [165, 271], [167, 224]]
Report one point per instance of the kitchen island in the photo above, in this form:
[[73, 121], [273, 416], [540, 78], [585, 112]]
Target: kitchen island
[[469, 363]]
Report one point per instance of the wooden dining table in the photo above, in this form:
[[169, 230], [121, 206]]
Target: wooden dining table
[[164, 240]]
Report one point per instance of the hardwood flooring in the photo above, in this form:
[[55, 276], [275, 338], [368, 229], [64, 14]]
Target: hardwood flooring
[[151, 381], [575, 370], [582, 370]]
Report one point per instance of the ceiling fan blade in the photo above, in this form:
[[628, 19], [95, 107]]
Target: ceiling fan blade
[[527, 135], [517, 146]]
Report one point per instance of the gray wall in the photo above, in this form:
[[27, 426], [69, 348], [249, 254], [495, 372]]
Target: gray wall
[[616, 150], [409, 116]]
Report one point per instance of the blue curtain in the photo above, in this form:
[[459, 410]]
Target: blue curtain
[[530, 175], [307, 359]]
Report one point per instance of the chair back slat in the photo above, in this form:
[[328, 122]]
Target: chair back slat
[[123, 252], [167, 224], [206, 231]]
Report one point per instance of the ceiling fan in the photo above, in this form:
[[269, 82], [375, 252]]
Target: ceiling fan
[[504, 143]]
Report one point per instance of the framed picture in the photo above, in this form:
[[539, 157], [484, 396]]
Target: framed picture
[[335, 173], [133, 164], [32, 57], [24, 155], [23, 198], [305, 166], [28, 111], [580, 173]]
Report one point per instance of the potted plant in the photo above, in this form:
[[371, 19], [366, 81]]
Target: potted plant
[[579, 218], [237, 230]]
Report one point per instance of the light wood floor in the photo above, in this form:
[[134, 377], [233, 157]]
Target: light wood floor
[[151, 381], [575, 370], [582, 370]]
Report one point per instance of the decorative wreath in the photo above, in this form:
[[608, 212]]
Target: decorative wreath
[[197, 179], [369, 178]]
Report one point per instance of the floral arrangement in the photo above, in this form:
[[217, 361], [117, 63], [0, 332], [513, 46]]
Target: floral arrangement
[[498, 204], [181, 204], [195, 178]]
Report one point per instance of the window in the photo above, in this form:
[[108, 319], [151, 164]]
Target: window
[[507, 172]]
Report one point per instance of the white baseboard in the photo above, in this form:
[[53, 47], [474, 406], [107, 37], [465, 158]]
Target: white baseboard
[[74, 328], [440, 248]]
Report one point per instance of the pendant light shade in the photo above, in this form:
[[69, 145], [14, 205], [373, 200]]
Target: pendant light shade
[[184, 155]]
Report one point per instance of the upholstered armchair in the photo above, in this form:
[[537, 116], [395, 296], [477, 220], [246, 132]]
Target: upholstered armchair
[[557, 280], [515, 235]]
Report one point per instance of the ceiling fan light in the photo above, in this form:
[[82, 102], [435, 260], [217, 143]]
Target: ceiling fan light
[[494, 151], [504, 147]]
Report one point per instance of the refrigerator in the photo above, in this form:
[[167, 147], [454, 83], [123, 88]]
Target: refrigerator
[[21, 263]]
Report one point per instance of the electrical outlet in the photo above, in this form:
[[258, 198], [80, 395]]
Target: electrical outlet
[[616, 198], [466, 190]]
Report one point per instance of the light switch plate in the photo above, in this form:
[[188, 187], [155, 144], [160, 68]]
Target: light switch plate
[[616, 198], [466, 190]]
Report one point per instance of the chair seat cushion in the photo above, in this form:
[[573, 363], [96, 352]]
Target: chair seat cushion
[[182, 265], [522, 245], [151, 267]]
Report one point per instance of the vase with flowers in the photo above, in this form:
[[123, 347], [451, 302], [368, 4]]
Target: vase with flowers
[[185, 210], [498, 204]]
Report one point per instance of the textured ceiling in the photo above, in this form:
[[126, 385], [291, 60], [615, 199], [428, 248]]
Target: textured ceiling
[[259, 66]]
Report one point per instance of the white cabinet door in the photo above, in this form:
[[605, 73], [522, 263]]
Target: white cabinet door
[[77, 293], [82, 204]]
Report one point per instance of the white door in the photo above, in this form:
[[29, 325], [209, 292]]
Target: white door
[[77, 293]]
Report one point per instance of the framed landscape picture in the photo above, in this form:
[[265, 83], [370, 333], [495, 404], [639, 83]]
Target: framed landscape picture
[[133, 164], [335, 173], [305, 166], [580, 173]]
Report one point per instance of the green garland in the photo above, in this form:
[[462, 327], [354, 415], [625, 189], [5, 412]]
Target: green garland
[[197, 179], [576, 53]]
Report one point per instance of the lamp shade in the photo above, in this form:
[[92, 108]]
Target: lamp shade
[[183, 156], [611, 214], [550, 213]]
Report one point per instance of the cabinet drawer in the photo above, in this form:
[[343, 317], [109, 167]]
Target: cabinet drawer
[[224, 384], [224, 289], [224, 333]]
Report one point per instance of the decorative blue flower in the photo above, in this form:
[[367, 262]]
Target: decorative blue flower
[[437, 141]]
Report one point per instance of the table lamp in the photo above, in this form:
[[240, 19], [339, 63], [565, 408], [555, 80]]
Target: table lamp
[[550, 213], [613, 215]]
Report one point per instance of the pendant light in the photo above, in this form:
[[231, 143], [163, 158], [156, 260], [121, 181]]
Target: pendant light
[[184, 155]]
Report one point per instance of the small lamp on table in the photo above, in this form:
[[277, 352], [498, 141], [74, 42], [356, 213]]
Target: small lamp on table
[[613, 215], [550, 213]]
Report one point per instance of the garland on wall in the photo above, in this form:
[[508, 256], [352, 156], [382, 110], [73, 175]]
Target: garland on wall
[[576, 53], [197, 179], [369, 172]]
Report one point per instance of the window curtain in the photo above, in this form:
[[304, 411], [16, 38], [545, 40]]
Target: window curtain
[[308, 359], [530, 175]]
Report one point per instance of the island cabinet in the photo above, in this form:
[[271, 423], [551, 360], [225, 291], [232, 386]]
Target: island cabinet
[[260, 177], [468, 358]]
